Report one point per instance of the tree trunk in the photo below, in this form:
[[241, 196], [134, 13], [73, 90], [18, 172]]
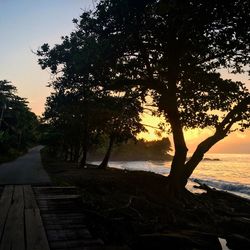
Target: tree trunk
[[71, 153], [177, 166], [65, 153], [76, 152], [85, 147], [170, 102], [84, 158], [105, 160], [169, 105]]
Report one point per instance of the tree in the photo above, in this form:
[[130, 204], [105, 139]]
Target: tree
[[70, 111], [122, 121], [173, 50], [136, 150], [82, 115], [18, 124], [99, 111]]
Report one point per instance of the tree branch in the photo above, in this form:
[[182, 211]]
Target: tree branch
[[221, 131]]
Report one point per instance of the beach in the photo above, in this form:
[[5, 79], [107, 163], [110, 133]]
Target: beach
[[227, 172]]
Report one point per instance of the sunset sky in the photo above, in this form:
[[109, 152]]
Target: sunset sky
[[27, 24]]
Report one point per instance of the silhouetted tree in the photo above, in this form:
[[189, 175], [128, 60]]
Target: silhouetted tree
[[172, 49], [17, 123], [79, 83], [82, 115], [136, 150], [71, 112], [122, 121]]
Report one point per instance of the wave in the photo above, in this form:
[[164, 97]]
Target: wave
[[237, 188], [163, 168]]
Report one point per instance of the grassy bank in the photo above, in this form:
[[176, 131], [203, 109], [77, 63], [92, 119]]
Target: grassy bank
[[132, 208]]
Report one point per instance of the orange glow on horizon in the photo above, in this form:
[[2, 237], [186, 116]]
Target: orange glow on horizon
[[236, 142]]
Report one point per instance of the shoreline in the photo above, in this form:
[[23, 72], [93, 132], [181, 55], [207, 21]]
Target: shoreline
[[130, 208], [162, 167]]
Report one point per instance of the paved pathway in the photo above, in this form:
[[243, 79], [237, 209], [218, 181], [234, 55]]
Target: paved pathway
[[26, 169]]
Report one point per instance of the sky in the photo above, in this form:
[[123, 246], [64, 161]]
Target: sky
[[24, 26], [27, 24]]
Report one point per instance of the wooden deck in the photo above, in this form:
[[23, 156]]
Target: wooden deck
[[42, 218]]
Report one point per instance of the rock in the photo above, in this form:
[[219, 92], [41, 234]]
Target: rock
[[238, 225], [211, 159], [236, 241]]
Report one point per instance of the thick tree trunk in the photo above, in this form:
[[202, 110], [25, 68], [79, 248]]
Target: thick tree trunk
[[176, 183], [177, 166], [168, 103], [105, 161], [176, 177]]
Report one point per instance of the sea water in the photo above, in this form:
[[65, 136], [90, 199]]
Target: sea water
[[228, 172]]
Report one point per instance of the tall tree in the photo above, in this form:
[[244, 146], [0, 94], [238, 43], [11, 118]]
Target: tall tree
[[70, 110], [174, 50], [99, 110]]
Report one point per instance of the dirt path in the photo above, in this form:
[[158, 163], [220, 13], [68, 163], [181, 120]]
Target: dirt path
[[27, 169]]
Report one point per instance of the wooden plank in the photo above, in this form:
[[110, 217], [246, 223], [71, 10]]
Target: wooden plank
[[13, 236], [62, 213], [5, 203], [55, 187], [56, 190], [35, 233], [69, 244], [66, 215], [59, 197], [29, 198], [68, 234], [65, 226]]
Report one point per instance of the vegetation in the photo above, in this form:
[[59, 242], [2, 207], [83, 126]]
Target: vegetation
[[17, 123], [171, 51], [80, 117], [136, 150]]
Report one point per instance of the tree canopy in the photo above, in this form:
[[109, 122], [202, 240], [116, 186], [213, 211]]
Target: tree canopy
[[82, 115], [172, 51]]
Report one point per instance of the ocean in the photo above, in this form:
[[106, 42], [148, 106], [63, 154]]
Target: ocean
[[228, 172]]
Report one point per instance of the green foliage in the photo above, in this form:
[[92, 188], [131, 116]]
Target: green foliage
[[80, 109], [80, 115], [145, 45], [17, 123], [171, 50]]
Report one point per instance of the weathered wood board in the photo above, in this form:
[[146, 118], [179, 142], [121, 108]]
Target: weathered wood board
[[43, 218], [21, 225]]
